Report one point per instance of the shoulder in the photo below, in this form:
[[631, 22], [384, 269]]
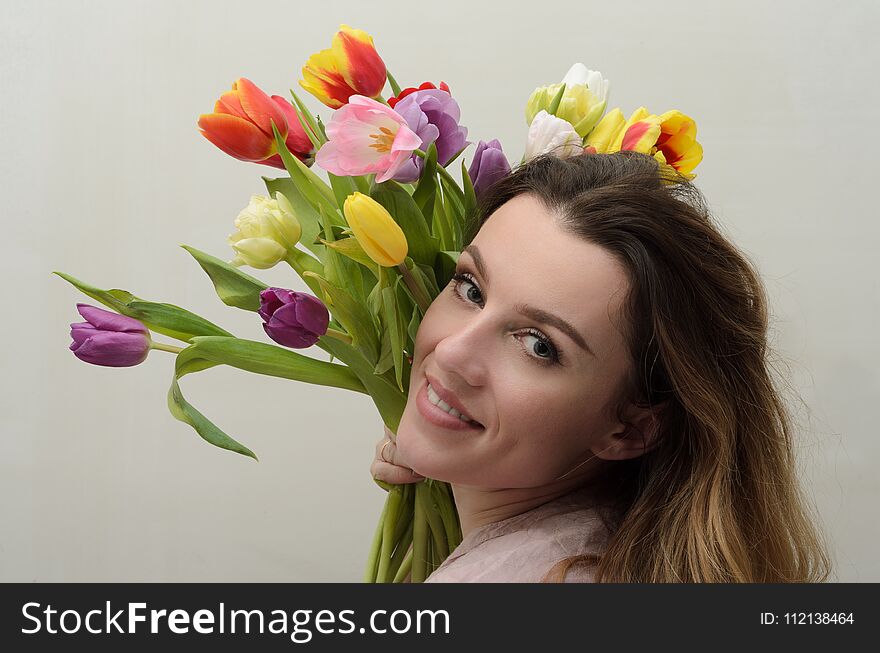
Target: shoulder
[[529, 549]]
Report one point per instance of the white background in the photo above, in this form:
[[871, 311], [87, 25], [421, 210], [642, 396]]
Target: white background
[[104, 174]]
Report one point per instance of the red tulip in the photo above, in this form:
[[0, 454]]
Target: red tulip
[[412, 89], [241, 126]]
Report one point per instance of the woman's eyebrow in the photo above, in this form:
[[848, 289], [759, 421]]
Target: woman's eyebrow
[[537, 314]]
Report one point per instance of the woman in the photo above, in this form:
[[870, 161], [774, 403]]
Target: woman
[[607, 347]]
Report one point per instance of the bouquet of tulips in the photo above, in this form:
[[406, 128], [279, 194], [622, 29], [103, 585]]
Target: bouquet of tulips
[[374, 241]]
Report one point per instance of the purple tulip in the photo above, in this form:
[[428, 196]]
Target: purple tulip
[[434, 116], [109, 339], [489, 165], [293, 319]]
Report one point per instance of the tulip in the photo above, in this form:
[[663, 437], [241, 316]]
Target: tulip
[[488, 166], [433, 115], [677, 142], [670, 137], [583, 100], [266, 231], [351, 66], [241, 126], [378, 234], [412, 89], [109, 339], [551, 134], [293, 319], [364, 137]]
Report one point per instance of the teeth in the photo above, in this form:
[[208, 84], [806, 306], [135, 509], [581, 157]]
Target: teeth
[[437, 401]]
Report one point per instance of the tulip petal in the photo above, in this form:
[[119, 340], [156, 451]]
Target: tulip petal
[[110, 321], [312, 314], [691, 159], [322, 79], [80, 332], [606, 131], [289, 336], [297, 141], [112, 349], [229, 103], [237, 137], [358, 62], [260, 108], [641, 136]]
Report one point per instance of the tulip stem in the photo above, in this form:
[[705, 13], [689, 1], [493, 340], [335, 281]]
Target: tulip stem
[[168, 348], [423, 301], [339, 335], [443, 171], [395, 87]]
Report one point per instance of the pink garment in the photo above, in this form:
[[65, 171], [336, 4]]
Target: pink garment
[[523, 548]]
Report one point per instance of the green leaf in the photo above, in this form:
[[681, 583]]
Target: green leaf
[[342, 187], [453, 205], [182, 410], [397, 330], [422, 245], [309, 219], [309, 184], [395, 87], [234, 287], [470, 208], [353, 316], [424, 193], [442, 228], [351, 248], [554, 103], [444, 266], [305, 115], [270, 360], [413, 327], [167, 319], [387, 397]]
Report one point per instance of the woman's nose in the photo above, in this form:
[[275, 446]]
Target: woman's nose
[[465, 352]]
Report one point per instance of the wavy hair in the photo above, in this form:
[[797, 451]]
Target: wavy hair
[[717, 499]]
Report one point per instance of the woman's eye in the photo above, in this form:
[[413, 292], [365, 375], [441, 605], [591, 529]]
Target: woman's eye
[[543, 348], [460, 278], [543, 351]]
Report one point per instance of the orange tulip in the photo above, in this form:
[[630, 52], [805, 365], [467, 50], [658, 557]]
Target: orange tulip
[[241, 126], [351, 66]]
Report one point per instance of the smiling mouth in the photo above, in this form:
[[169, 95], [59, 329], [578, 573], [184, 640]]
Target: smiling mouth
[[439, 403]]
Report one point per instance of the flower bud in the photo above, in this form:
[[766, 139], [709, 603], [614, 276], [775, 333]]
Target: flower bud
[[266, 231], [109, 339], [549, 134], [293, 319], [488, 166], [378, 234], [582, 103]]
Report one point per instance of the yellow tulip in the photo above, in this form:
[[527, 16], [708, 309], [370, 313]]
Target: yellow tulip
[[671, 137], [582, 102], [378, 234]]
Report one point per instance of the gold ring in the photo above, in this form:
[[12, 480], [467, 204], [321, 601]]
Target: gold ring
[[382, 452]]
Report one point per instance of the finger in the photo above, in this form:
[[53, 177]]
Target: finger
[[394, 474], [390, 434]]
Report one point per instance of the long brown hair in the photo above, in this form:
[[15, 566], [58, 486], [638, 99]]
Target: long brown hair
[[717, 499]]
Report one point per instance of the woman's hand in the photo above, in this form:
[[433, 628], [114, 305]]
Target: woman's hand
[[387, 465]]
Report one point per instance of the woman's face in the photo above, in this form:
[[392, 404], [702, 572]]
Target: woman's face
[[541, 392]]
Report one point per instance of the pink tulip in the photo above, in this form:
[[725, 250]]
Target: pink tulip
[[366, 136]]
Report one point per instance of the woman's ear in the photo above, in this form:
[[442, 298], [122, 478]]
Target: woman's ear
[[637, 435]]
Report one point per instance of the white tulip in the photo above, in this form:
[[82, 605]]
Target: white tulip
[[548, 133], [580, 74]]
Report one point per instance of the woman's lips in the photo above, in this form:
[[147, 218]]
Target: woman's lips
[[438, 416]]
